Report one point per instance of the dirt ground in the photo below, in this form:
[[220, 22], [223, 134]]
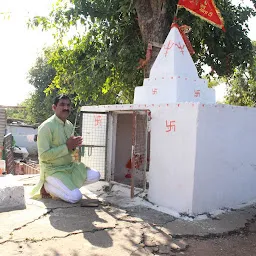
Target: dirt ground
[[234, 245]]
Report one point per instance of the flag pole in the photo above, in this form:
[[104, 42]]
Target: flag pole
[[74, 128], [176, 14]]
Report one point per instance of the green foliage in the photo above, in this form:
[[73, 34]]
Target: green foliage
[[18, 113], [242, 85], [99, 64], [97, 68]]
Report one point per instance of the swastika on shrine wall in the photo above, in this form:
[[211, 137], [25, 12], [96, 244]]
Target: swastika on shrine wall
[[97, 120], [154, 91], [197, 93], [170, 126]]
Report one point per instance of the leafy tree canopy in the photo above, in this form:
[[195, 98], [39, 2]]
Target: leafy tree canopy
[[99, 64], [38, 107], [241, 89]]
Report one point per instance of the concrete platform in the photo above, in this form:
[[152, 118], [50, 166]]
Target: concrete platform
[[11, 194], [53, 227]]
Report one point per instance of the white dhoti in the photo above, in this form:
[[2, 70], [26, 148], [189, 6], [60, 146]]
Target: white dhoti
[[56, 188]]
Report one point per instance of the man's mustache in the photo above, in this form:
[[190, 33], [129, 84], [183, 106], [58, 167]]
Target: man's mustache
[[66, 111]]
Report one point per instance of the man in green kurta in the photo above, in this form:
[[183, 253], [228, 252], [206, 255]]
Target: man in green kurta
[[59, 175]]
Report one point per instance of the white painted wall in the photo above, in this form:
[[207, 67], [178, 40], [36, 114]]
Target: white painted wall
[[156, 94], [225, 171], [174, 58], [172, 90], [24, 137], [207, 163], [173, 77], [172, 156]]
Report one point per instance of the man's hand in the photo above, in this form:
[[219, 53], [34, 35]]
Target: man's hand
[[74, 142]]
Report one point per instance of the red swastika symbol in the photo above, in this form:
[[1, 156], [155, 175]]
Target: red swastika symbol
[[171, 44], [170, 126], [168, 47], [197, 93], [180, 47], [154, 91], [97, 120]]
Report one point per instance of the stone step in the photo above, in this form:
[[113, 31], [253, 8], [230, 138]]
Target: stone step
[[11, 194]]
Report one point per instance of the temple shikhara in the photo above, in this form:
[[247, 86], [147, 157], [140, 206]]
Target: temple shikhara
[[173, 76], [190, 154]]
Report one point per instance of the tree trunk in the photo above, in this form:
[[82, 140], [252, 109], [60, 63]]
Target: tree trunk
[[154, 24]]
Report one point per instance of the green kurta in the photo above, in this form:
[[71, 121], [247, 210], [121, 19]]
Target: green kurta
[[54, 157]]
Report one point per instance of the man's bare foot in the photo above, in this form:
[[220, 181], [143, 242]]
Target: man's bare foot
[[44, 194]]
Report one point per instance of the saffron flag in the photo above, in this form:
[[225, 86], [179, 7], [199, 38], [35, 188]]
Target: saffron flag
[[205, 9]]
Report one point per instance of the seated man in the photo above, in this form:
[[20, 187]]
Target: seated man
[[59, 176]]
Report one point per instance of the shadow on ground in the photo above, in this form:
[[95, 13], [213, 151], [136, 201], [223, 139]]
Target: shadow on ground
[[74, 219]]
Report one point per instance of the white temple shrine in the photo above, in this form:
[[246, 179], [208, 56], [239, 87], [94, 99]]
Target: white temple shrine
[[194, 155], [173, 76]]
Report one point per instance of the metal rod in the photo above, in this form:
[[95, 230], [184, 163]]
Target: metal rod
[[133, 152], [81, 149], [146, 154], [92, 146], [106, 146], [89, 151], [132, 172], [73, 132], [175, 15]]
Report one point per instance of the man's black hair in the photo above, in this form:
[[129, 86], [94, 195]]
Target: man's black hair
[[61, 97]]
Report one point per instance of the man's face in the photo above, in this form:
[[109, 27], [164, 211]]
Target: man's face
[[63, 108]]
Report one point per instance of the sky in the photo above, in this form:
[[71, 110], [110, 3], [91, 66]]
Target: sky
[[19, 47]]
